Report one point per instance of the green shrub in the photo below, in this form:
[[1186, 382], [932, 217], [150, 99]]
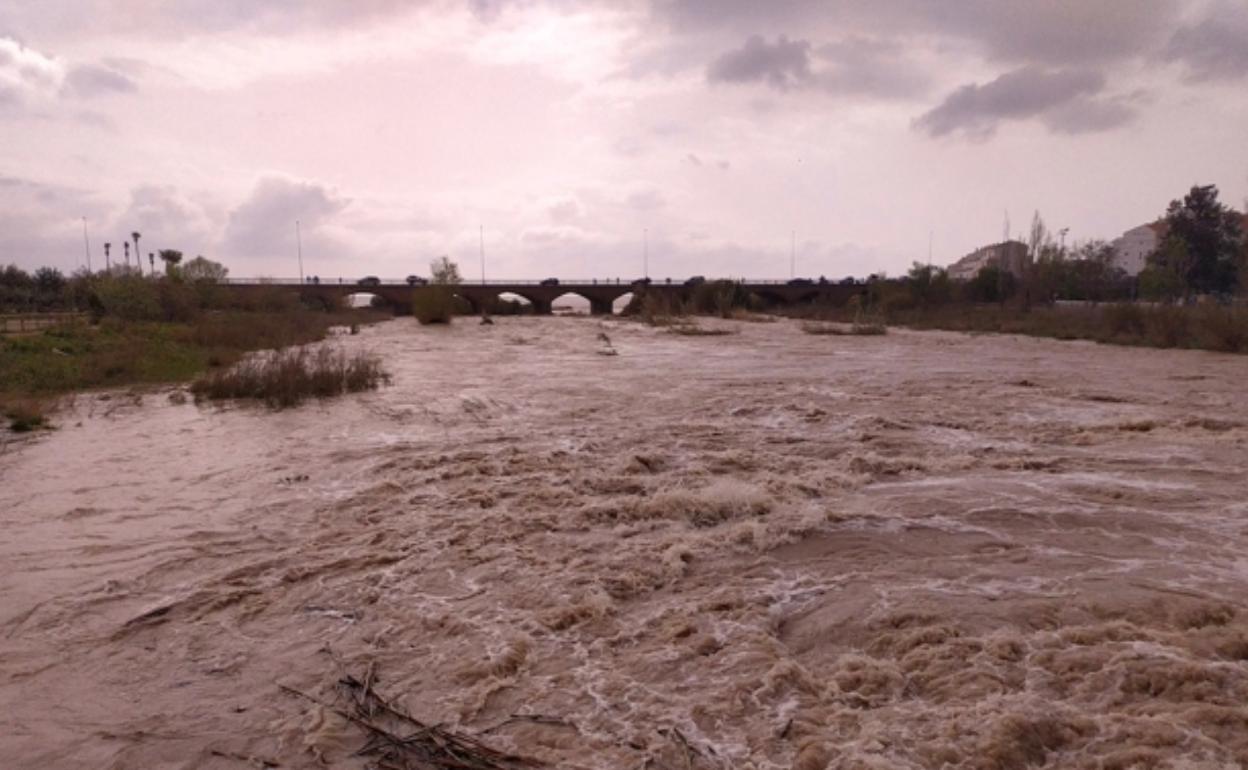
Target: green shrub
[[129, 297], [286, 378], [433, 304]]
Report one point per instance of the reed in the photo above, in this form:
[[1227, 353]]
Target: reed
[[286, 378]]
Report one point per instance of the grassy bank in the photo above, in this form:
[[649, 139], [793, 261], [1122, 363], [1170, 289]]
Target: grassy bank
[[35, 369], [1202, 327]]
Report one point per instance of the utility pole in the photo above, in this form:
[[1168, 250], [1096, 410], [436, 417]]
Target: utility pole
[[930, 233], [299, 249], [481, 232], [1062, 233], [86, 244], [793, 255], [645, 253]]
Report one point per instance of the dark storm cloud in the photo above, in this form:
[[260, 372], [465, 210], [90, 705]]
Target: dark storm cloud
[[264, 225], [1065, 100], [855, 66], [865, 66], [89, 80], [1216, 48], [1055, 32], [782, 65]]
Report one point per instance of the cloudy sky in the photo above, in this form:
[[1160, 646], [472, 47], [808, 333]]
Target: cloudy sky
[[393, 130]]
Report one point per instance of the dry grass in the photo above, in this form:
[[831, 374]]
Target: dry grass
[[286, 378], [25, 414], [854, 329]]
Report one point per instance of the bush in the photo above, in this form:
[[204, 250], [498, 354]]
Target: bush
[[129, 297], [721, 298], [1221, 327], [285, 378], [433, 304], [24, 415]]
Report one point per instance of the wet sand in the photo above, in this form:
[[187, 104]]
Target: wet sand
[[762, 550]]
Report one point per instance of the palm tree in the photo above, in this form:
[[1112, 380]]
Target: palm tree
[[127, 245], [138, 255], [108, 266], [151, 260], [171, 258]]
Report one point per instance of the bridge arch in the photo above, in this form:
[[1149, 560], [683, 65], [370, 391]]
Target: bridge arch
[[571, 302], [621, 302], [511, 303], [363, 299]]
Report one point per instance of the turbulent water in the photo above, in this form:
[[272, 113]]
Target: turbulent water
[[762, 550]]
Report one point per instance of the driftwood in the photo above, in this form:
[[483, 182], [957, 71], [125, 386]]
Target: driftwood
[[395, 740]]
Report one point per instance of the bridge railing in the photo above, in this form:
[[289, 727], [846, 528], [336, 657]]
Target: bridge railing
[[392, 282]]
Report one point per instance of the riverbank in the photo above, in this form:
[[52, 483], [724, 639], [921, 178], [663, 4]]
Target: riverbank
[[1219, 328], [36, 369]]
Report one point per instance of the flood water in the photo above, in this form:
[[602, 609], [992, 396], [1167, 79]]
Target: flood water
[[762, 550]]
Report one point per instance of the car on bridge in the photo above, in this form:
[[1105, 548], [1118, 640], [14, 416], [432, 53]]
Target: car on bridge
[[550, 282], [641, 282], [696, 280], [416, 280], [801, 282], [369, 280]]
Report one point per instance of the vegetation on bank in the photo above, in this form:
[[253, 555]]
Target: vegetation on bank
[[287, 377], [148, 330], [1208, 326]]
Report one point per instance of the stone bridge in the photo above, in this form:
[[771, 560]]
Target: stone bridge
[[601, 295]]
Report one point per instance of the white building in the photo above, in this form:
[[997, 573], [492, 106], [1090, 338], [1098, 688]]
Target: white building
[[1132, 248], [1010, 255]]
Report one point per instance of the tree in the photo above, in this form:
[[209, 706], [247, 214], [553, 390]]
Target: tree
[[929, 285], [171, 258], [1211, 238], [443, 270], [200, 269], [49, 281], [138, 255], [1038, 238], [991, 284]]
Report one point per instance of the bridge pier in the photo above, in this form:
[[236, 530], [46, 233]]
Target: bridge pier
[[542, 306], [600, 306]]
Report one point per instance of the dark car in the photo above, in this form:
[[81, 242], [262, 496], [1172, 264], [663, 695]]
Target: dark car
[[369, 280], [801, 282], [550, 282], [416, 280], [695, 280], [641, 282]]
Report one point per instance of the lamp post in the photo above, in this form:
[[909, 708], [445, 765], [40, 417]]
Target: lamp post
[[645, 253], [86, 244], [299, 249]]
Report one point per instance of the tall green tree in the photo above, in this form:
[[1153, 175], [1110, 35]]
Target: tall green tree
[[443, 270], [201, 269], [171, 258], [1207, 235]]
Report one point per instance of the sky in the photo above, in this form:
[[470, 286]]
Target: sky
[[721, 137]]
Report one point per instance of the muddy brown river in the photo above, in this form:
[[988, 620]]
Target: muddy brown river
[[767, 549]]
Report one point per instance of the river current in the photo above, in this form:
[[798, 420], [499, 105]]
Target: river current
[[766, 549]]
